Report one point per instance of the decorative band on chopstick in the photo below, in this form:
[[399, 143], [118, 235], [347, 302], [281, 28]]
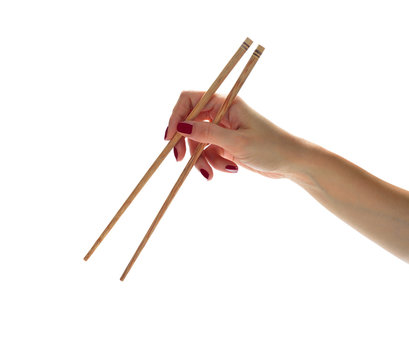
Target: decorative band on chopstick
[[245, 46], [257, 53]]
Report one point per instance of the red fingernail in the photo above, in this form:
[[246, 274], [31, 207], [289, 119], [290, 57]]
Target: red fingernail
[[176, 153], [205, 173], [231, 168], [166, 133], [185, 128]]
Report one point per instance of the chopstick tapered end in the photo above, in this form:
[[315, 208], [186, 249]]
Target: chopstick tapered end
[[89, 253]]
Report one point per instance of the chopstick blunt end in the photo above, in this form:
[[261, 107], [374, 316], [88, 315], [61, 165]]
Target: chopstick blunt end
[[248, 42], [257, 53], [260, 49]]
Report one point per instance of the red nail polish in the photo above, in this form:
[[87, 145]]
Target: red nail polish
[[166, 133], [176, 153], [185, 128], [231, 168], [205, 173]]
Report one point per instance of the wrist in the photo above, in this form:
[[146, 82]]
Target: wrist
[[305, 162]]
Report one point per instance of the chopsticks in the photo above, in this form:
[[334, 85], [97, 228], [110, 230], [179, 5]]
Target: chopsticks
[[222, 111], [198, 151], [193, 114]]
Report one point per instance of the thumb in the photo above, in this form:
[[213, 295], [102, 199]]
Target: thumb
[[208, 133]]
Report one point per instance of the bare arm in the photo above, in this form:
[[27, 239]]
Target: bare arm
[[372, 206]]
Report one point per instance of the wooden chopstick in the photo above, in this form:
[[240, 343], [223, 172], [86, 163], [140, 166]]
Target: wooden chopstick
[[193, 114], [222, 111]]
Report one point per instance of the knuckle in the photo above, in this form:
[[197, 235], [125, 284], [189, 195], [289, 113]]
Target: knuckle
[[182, 103], [184, 94], [238, 100]]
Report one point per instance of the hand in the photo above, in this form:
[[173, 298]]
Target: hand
[[243, 137], [374, 207]]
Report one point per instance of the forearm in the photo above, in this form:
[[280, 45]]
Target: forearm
[[375, 208]]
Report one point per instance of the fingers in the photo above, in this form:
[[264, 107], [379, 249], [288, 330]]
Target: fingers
[[184, 105], [187, 100], [212, 156], [179, 150], [215, 155], [199, 131], [206, 132], [201, 164]]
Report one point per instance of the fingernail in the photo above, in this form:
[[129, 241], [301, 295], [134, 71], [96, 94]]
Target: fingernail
[[166, 133], [205, 173], [185, 128], [176, 153], [231, 168]]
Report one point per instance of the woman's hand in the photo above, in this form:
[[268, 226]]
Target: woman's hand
[[374, 207], [243, 137]]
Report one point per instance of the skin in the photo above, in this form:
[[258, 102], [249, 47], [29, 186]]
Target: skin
[[375, 208]]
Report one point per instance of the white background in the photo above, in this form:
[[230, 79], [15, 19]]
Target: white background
[[242, 267]]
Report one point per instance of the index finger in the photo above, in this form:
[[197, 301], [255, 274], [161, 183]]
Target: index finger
[[184, 106]]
